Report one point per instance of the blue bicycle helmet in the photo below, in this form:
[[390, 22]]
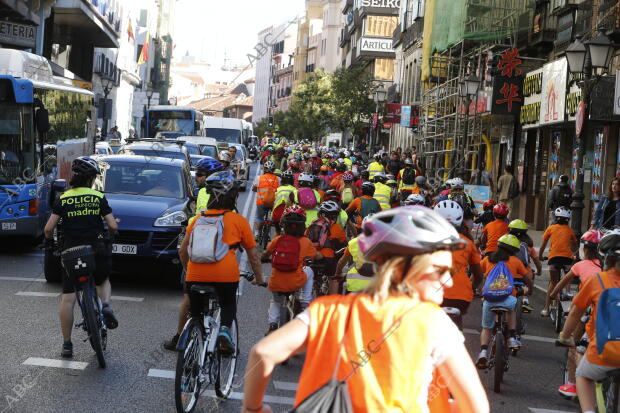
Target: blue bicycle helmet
[[209, 164]]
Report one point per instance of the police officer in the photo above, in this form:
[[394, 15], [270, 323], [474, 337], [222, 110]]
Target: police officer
[[82, 209]]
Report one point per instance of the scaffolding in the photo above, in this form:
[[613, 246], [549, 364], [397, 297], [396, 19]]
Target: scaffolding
[[464, 35]]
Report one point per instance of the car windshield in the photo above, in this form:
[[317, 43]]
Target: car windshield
[[193, 150], [224, 135], [209, 150], [153, 152], [143, 179]]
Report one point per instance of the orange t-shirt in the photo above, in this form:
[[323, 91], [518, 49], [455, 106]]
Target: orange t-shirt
[[237, 230], [515, 265], [588, 296], [562, 240], [389, 374], [462, 287], [291, 281], [356, 205], [337, 234], [494, 231]]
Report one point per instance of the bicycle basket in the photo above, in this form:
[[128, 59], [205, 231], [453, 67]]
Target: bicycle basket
[[79, 261]]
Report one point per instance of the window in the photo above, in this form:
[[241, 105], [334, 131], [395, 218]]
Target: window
[[384, 69], [143, 18], [380, 26]]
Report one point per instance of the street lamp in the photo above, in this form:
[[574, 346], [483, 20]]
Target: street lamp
[[599, 49], [106, 84], [380, 94], [468, 90]]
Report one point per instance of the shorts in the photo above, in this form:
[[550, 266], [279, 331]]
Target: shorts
[[488, 316], [261, 211], [592, 371], [561, 263], [102, 270]]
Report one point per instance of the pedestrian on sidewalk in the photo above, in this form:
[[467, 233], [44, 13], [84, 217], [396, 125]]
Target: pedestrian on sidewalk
[[607, 215], [504, 186]]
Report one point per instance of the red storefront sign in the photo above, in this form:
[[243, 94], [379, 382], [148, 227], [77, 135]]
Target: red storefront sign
[[508, 85], [392, 112]]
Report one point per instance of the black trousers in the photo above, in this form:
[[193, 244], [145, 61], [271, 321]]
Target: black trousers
[[226, 295]]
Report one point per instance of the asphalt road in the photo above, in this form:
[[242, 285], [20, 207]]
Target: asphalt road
[[140, 374]]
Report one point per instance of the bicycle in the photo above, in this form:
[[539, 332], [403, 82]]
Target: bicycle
[[559, 308], [498, 357], [79, 264], [321, 280], [199, 359], [519, 312], [607, 398], [264, 236]]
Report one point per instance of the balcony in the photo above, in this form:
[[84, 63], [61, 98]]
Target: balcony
[[348, 5], [94, 21]]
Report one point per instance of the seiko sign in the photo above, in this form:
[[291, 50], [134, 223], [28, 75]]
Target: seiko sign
[[392, 4], [370, 44]]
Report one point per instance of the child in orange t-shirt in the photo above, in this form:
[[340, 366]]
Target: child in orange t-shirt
[[337, 237], [592, 367], [495, 229], [561, 253], [283, 282]]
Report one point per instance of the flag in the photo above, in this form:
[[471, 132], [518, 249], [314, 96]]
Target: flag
[[130, 35], [144, 54]]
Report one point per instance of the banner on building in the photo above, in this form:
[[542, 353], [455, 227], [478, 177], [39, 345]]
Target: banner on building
[[599, 144], [554, 158], [552, 106], [508, 84], [392, 113], [409, 116]]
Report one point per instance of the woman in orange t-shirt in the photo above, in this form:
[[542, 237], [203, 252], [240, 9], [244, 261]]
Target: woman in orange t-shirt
[[223, 275], [341, 334]]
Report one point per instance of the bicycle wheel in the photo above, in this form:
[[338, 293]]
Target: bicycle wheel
[[93, 326], [265, 236], [227, 365], [500, 361], [559, 316], [611, 397], [187, 378]]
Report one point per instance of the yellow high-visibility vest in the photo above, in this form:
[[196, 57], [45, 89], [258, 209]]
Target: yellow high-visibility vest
[[382, 195], [401, 185], [375, 168], [355, 281]]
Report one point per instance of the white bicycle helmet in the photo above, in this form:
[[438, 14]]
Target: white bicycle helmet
[[457, 183], [407, 231], [562, 212], [304, 177], [451, 211], [414, 199], [269, 166], [329, 207], [225, 156]]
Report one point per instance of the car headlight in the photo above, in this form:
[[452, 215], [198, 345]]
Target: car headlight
[[173, 219]]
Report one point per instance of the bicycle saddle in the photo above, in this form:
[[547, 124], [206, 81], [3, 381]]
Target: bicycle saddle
[[203, 289], [500, 309]]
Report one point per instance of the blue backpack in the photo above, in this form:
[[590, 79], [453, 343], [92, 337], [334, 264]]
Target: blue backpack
[[499, 283], [608, 324]]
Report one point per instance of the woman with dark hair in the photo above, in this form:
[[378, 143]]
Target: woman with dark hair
[[607, 215]]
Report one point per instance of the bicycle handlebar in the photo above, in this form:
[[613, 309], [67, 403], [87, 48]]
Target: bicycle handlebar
[[250, 277]]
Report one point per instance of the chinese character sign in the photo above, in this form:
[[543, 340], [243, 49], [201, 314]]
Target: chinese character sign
[[508, 85]]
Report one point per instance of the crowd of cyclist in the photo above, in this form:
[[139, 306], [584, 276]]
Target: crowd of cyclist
[[404, 249]]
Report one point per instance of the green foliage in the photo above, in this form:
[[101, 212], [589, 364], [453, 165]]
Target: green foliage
[[327, 100], [261, 128]]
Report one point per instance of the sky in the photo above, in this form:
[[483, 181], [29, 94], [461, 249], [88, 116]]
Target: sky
[[217, 29]]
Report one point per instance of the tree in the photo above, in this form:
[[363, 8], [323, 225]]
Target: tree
[[350, 98], [261, 128]]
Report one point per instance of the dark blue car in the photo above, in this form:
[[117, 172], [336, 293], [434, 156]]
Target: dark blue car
[[150, 198]]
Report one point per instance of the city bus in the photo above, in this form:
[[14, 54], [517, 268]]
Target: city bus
[[45, 122], [170, 122]]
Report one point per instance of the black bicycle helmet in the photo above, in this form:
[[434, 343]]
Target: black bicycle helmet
[[288, 177], [85, 165], [610, 244], [221, 183], [368, 188]]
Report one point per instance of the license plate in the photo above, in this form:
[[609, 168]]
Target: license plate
[[9, 226], [124, 249]]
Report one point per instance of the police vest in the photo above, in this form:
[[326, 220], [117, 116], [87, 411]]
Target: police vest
[[382, 195]]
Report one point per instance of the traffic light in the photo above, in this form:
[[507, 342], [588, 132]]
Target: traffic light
[[270, 121]]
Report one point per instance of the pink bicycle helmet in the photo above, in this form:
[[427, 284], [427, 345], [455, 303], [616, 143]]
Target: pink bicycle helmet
[[592, 238], [409, 230]]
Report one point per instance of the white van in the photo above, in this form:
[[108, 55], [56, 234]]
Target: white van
[[229, 130], [208, 146]]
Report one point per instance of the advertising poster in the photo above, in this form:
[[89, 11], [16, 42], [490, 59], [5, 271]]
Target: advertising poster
[[479, 193], [554, 157], [552, 106], [599, 141], [575, 168]]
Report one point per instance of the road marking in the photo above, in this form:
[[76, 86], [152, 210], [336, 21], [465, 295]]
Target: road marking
[[164, 374], [533, 410], [524, 337], [122, 298], [36, 294], [169, 374], [538, 287], [62, 364], [22, 279], [285, 385]]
